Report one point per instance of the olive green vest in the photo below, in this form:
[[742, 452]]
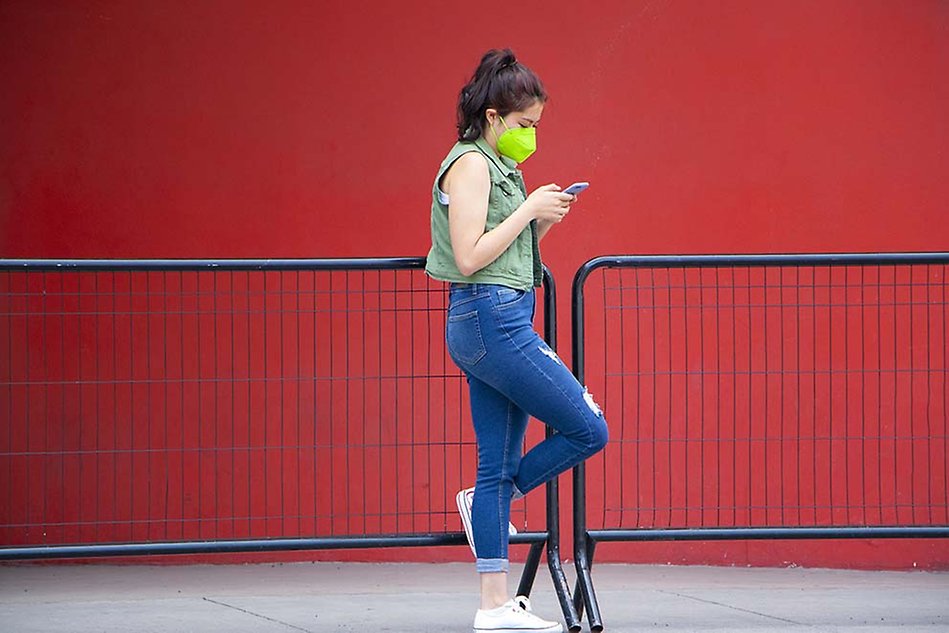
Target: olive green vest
[[520, 265]]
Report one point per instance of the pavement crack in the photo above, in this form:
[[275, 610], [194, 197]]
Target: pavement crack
[[729, 606], [256, 615]]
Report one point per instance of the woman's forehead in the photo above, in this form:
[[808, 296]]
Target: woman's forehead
[[532, 113]]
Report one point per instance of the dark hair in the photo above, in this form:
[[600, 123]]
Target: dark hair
[[499, 82]]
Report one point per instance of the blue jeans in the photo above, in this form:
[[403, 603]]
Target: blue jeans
[[513, 374]]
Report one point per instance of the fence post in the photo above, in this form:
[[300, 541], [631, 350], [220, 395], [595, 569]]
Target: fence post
[[554, 562], [584, 595]]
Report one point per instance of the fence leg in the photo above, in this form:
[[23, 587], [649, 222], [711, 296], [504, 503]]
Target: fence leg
[[554, 563], [578, 599], [577, 595], [583, 551], [585, 584], [530, 569]]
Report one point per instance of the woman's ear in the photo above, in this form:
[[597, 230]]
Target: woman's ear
[[491, 115]]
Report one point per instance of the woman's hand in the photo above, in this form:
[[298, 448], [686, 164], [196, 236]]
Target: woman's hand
[[548, 205]]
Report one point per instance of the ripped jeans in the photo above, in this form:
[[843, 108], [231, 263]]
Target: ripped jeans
[[513, 374]]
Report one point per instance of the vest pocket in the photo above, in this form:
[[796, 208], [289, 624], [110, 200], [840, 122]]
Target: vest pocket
[[463, 335]]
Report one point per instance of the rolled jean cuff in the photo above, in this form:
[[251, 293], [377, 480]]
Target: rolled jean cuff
[[492, 565]]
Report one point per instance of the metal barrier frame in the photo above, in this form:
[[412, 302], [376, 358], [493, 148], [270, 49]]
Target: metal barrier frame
[[585, 540], [537, 540]]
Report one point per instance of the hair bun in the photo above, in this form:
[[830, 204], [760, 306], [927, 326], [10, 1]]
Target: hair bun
[[496, 60], [507, 59]]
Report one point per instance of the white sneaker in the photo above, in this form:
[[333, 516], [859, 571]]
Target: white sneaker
[[463, 500], [511, 618]]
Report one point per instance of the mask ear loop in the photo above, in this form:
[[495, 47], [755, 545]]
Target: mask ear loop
[[497, 138], [504, 123]]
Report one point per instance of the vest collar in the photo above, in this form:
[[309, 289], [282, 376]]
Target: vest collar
[[503, 163]]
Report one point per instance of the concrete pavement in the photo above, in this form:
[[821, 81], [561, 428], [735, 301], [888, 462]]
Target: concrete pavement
[[404, 598]]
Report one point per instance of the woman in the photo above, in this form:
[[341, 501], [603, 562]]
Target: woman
[[485, 234]]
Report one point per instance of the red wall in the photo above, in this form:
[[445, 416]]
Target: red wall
[[225, 129]]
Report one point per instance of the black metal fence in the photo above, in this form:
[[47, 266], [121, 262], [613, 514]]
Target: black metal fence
[[192, 406], [760, 397]]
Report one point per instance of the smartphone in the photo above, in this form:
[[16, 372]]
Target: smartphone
[[576, 188]]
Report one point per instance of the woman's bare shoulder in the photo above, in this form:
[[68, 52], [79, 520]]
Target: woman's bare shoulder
[[471, 167]]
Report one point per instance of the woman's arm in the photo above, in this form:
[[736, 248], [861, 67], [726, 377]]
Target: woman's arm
[[468, 185], [542, 228]]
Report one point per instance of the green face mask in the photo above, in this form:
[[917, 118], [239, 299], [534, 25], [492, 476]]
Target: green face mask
[[518, 143]]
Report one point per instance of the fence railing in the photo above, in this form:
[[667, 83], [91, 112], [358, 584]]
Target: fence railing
[[193, 406], [757, 397]]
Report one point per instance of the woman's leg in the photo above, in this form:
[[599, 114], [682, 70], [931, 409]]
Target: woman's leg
[[499, 426], [511, 373], [494, 591], [521, 367], [548, 391]]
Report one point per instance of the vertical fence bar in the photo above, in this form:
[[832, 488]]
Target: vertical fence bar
[[554, 561], [585, 595]]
